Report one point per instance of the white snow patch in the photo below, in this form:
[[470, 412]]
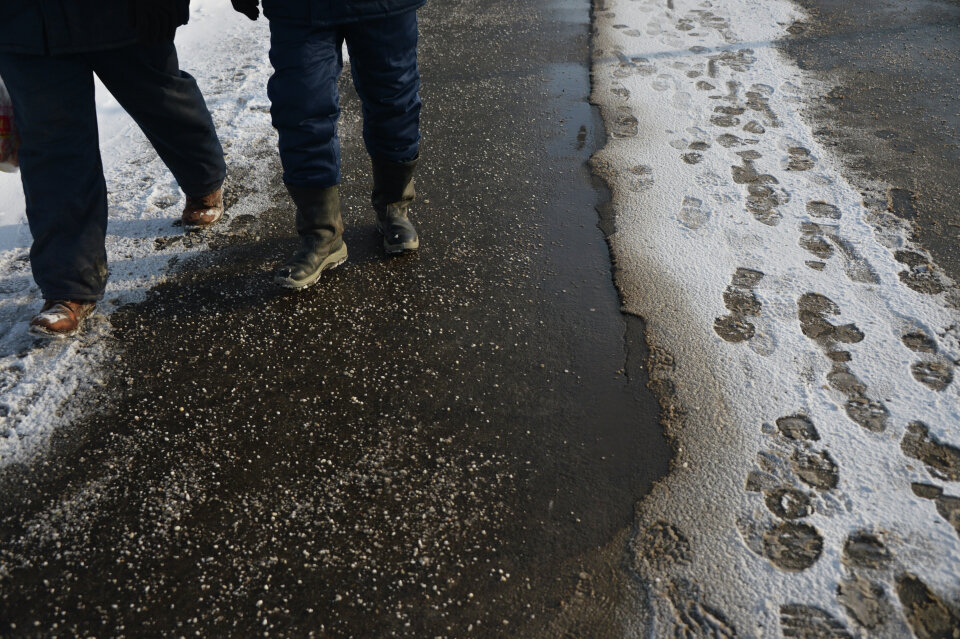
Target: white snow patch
[[713, 170], [39, 382]]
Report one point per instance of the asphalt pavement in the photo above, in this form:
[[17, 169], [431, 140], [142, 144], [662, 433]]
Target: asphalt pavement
[[431, 445], [892, 108]]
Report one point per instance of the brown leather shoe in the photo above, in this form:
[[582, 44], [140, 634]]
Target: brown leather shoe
[[203, 212], [60, 318]]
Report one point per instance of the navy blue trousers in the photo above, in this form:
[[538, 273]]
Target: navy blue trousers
[[60, 165], [307, 62]]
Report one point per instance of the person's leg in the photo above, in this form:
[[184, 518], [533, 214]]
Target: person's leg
[[305, 103], [167, 105], [62, 174], [383, 61], [305, 106]]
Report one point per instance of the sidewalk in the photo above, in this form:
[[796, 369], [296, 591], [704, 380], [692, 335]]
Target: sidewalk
[[443, 445]]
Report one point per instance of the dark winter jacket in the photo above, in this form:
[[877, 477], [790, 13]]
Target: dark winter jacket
[[69, 26], [327, 13]]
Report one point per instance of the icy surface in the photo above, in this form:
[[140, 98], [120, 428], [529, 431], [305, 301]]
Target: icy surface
[[39, 382], [805, 355]]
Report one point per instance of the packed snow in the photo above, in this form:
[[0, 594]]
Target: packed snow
[[804, 350]]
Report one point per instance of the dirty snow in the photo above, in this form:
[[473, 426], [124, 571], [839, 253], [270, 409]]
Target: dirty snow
[[805, 353], [39, 382]]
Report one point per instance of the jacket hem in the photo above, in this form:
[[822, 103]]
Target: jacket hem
[[58, 51]]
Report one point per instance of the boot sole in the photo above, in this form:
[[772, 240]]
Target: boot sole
[[332, 261], [42, 333], [397, 249], [193, 228], [405, 247]]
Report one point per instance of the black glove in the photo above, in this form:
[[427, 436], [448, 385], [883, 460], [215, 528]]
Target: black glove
[[156, 21], [249, 8]]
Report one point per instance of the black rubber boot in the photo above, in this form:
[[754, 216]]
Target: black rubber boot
[[321, 236], [392, 194]]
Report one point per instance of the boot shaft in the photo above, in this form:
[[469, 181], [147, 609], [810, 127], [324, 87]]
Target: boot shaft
[[393, 185], [318, 211]]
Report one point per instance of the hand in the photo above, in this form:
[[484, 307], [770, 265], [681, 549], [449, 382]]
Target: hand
[[249, 8]]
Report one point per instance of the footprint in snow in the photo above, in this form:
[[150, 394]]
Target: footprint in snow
[[692, 616], [799, 159], [742, 302], [928, 614], [659, 546], [941, 459], [823, 210], [920, 342], [933, 371], [726, 116], [642, 178], [738, 61], [920, 274], [799, 621], [812, 311], [948, 506], [935, 375], [813, 240], [758, 100], [867, 550], [692, 214], [626, 124], [865, 602], [764, 195], [663, 82], [792, 546], [816, 469]]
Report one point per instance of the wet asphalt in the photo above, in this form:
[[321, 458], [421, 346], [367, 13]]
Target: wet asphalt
[[893, 111], [432, 445]]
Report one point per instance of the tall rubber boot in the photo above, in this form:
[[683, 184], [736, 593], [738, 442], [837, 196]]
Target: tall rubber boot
[[321, 236], [392, 194]]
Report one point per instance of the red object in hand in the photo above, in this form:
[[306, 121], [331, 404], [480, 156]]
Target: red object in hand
[[9, 140]]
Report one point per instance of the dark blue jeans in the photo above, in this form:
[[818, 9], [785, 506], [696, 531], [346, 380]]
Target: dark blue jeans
[[306, 104], [61, 169]]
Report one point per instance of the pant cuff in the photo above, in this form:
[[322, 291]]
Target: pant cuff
[[312, 184], [76, 297], [202, 191], [395, 159]]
